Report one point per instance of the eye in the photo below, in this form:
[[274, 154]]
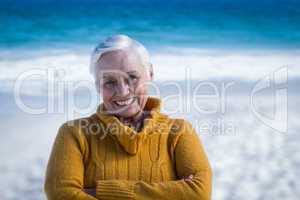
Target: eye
[[133, 77], [109, 83]]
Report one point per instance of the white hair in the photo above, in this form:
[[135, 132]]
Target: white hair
[[119, 42]]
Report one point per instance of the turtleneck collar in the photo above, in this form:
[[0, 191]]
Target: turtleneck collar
[[129, 138]]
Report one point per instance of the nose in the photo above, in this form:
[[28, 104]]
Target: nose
[[123, 88]]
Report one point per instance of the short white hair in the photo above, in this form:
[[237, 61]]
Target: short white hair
[[119, 42]]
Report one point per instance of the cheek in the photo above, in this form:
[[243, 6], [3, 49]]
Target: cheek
[[141, 89], [142, 93], [106, 95]]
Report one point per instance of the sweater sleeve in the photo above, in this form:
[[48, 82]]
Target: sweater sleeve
[[190, 158], [65, 170]]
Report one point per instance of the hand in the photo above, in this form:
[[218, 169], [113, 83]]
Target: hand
[[90, 191], [187, 178]]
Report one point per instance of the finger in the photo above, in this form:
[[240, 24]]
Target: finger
[[189, 178]]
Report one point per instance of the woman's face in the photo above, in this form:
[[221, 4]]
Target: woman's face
[[123, 81]]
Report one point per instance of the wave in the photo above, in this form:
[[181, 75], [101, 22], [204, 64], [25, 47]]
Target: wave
[[170, 64]]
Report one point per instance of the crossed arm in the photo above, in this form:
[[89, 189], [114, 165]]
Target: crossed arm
[[92, 192], [64, 181]]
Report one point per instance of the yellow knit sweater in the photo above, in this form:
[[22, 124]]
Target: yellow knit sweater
[[100, 152]]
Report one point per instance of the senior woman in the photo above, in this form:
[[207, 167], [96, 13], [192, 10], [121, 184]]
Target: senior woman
[[127, 149]]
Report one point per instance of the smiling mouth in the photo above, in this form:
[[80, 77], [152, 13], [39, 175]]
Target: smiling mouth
[[126, 102]]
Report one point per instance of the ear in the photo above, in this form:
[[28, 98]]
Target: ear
[[151, 72]]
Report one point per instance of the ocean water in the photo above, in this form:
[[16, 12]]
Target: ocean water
[[246, 54], [201, 23]]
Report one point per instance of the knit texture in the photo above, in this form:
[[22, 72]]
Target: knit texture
[[120, 163]]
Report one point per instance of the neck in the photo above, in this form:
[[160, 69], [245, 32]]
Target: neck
[[135, 121]]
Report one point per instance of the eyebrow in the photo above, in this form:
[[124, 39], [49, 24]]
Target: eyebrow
[[107, 75], [132, 72]]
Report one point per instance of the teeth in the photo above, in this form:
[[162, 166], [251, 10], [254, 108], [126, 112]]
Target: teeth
[[124, 103]]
